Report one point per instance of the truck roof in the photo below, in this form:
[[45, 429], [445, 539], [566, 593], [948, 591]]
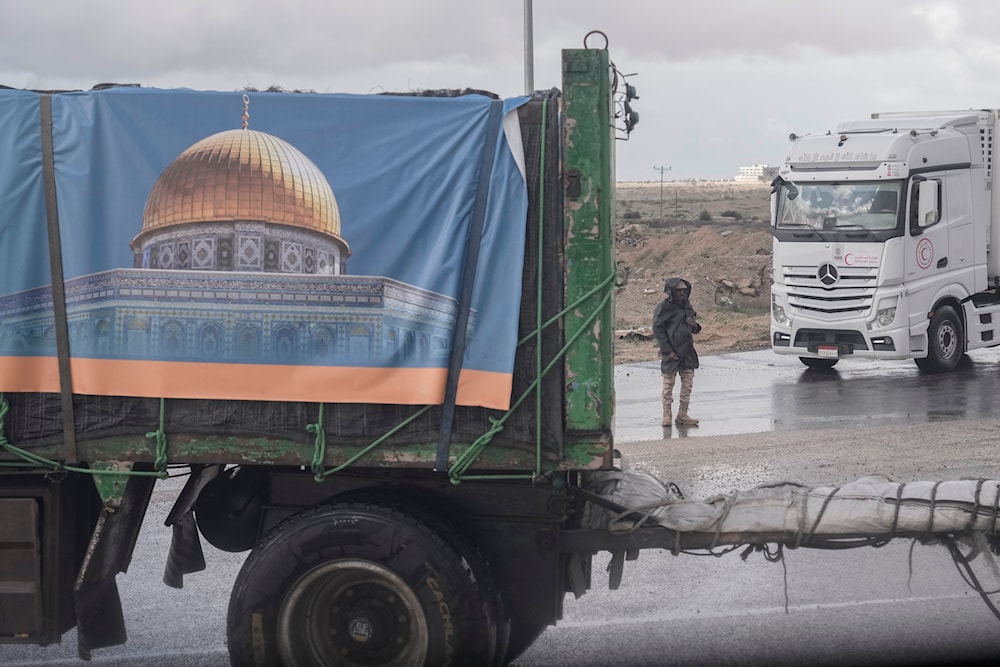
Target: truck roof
[[915, 120]]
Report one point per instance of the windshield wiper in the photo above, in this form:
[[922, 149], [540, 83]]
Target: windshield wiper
[[795, 228], [858, 231]]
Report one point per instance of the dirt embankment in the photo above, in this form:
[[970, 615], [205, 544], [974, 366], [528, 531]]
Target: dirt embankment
[[714, 234]]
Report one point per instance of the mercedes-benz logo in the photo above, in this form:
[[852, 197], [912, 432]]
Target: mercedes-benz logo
[[827, 274]]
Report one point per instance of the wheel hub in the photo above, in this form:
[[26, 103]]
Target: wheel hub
[[360, 629], [351, 612]]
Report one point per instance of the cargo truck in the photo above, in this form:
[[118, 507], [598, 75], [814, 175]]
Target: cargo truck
[[887, 241], [375, 331]]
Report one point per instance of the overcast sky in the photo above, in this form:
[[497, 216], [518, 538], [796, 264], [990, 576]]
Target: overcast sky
[[721, 82]]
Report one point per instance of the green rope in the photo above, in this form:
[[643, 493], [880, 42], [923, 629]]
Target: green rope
[[4, 407], [319, 453], [388, 434], [468, 457], [31, 460], [160, 435], [576, 304]]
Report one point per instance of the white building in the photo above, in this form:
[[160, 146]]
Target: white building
[[751, 174]]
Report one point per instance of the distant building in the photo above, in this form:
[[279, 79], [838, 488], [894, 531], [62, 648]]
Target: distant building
[[751, 174]]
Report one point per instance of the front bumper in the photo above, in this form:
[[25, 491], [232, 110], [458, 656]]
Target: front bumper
[[835, 343]]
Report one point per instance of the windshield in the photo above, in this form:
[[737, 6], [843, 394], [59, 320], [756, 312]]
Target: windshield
[[861, 205]]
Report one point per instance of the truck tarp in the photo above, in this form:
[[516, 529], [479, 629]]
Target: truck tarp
[[262, 246]]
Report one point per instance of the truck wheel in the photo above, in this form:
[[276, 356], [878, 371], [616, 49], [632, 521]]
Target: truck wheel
[[946, 341], [356, 583], [820, 364]]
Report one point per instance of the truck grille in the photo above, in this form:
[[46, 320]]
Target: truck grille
[[843, 291]]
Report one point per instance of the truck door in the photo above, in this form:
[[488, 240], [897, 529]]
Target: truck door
[[927, 249]]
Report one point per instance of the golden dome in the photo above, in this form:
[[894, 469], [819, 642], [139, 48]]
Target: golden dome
[[242, 175]]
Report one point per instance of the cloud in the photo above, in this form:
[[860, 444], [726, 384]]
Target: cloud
[[721, 82]]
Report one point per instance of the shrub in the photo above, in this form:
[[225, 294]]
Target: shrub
[[705, 216]]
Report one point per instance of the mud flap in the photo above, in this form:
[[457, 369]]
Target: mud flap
[[186, 555], [99, 617], [615, 569]]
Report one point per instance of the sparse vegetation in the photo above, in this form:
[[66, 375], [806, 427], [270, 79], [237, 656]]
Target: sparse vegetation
[[726, 258]]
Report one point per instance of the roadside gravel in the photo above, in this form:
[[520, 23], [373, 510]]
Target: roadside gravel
[[705, 466]]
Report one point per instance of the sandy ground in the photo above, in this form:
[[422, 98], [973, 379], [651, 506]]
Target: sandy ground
[[714, 234]]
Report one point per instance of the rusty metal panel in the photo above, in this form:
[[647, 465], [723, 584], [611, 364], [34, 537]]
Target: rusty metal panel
[[588, 140]]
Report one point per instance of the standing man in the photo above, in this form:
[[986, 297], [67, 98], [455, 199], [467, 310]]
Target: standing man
[[674, 326]]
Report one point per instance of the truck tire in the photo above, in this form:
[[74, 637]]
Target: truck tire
[[819, 364], [945, 342], [355, 583]]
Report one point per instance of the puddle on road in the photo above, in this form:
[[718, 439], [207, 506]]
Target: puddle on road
[[756, 392]]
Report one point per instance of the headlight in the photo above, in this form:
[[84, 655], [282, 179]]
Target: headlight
[[885, 315], [778, 313]]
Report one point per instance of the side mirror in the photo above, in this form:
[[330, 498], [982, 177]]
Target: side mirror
[[928, 211], [791, 192], [925, 208]]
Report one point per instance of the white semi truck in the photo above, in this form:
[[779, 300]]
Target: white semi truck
[[887, 241]]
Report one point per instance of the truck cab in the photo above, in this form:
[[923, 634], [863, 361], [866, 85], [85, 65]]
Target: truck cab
[[882, 235]]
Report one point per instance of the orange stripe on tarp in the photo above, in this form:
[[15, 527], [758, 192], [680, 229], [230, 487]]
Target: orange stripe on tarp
[[182, 379]]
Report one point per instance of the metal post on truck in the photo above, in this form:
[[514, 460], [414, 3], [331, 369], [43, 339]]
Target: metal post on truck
[[588, 200]]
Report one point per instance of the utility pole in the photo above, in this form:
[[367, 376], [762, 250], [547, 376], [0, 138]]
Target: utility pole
[[529, 49], [661, 170]]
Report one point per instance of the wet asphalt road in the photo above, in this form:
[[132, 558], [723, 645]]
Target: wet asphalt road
[[752, 392], [864, 606]]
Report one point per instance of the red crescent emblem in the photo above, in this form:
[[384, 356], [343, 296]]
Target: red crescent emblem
[[925, 253]]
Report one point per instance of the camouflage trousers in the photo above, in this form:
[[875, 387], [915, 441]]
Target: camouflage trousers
[[687, 382]]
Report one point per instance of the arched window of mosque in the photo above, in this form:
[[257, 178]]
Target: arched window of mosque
[[102, 331], [210, 340], [136, 335], [391, 343], [247, 341], [172, 338], [80, 343], [424, 346], [409, 344], [359, 343], [284, 341], [323, 339]]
